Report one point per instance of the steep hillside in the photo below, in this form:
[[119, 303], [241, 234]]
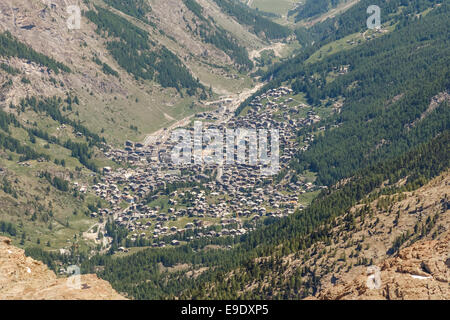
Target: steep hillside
[[371, 233], [199, 33], [258, 24], [22, 278], [420, 271], [371, 120], [206, 49], [46, 162], [315, 246], [95, 76]]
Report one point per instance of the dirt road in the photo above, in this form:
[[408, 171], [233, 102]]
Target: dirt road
[[276, 47], [164, 133]]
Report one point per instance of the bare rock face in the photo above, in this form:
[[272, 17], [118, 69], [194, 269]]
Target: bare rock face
[[24, 278], [421, 271]]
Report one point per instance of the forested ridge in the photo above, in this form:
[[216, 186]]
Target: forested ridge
[[396, 12], [50, 107], [7, 142], [206, 28], [389, 85]]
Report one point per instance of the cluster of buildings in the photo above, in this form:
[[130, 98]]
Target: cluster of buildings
[[154, 197]]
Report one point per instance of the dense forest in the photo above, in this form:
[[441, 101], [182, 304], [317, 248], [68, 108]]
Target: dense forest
[[376, 120], [379, 121]]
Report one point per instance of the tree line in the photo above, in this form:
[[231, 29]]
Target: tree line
[[140, 56], [11, 47]]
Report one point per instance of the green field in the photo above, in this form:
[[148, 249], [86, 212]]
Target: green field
[[345, 43], [280, 7]]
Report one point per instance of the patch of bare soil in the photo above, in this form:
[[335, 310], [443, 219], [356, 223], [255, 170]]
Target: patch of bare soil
[[23, 278]]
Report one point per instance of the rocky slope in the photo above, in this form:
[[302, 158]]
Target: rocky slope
[[110, 102], [22, 277], [421, 271], [395, 243]]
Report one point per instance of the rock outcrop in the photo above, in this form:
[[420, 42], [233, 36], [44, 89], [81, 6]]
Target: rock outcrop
[[421, 271], [23, 278]]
